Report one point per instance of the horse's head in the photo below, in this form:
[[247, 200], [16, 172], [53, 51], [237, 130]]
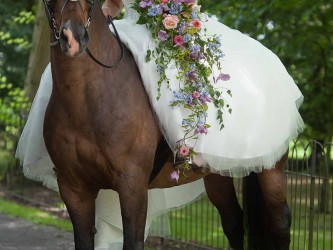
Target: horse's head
[[70, 20]]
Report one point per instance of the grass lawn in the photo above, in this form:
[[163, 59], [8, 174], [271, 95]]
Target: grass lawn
[[34, 215]]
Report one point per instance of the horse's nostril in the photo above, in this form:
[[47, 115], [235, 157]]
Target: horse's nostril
[[69, 41], [67, 35]]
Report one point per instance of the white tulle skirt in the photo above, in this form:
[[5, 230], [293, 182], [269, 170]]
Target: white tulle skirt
[[265, 117]]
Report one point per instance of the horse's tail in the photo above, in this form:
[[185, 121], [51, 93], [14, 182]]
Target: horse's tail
[[254, 219]]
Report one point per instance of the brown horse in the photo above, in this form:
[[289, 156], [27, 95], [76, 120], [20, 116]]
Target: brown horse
[[101, 133]]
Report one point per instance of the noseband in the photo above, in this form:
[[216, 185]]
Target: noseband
[[55, 29]]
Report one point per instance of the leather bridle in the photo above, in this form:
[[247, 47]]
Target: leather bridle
[[56, 32]]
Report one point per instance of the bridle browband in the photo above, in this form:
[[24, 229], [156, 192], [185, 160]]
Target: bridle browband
[[54, 28]]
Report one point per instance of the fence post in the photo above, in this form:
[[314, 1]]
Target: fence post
[[312, 190]]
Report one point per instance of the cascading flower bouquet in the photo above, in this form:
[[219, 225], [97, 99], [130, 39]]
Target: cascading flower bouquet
[[177, 28]]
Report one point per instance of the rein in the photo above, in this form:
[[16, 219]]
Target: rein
[[55, 29]]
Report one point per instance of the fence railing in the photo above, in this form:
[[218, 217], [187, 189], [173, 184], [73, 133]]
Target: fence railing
[[309, 189]]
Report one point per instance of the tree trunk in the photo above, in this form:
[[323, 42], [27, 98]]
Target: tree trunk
[[40, 52]]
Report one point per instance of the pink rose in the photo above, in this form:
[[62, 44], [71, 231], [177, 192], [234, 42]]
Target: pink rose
[[184, 150], [195, 94], [196, 24], [178, 40], [170, 22]]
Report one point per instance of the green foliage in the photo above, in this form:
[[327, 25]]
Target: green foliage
[[12, 105], [301, 34], [16, 27], [16, 24]]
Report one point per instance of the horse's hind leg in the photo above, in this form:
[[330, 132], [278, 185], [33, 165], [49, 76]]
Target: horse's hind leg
[[221, 192], [80, 204], [273, 186]]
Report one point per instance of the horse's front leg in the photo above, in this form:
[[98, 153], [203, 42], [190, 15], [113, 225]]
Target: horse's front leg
[[133, 195], [273, 186], [80, 203]]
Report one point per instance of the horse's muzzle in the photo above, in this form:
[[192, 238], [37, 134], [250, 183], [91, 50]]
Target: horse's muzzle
[[73, 39]]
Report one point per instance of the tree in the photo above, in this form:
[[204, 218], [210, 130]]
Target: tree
[[40, 52]]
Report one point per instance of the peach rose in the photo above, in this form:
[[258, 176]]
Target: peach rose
[[170, 22]]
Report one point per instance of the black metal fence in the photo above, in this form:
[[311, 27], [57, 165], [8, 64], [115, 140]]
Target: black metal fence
[[309, 190], [309, 182]]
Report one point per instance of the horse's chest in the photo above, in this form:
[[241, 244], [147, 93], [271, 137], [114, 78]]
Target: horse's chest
[[74, 145]]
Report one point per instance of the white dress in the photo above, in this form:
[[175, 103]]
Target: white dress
[[265, 117]]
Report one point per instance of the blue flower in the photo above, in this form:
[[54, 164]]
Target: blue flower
[[175, 8], [155, 10], [189, 100], [187, 123], [195, 48], [195, 12], [160, 69], [178, 95], [219, 39], [187, 38]]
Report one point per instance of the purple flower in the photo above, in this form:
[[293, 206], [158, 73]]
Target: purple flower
[[195, 55], [201, 56], [193, 76], [223, 77], [189, 100], [174, 176], [201, 129], [195, 51], [165, 7], [162, 35], [205, 97], [146, 3], [182, 27]]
